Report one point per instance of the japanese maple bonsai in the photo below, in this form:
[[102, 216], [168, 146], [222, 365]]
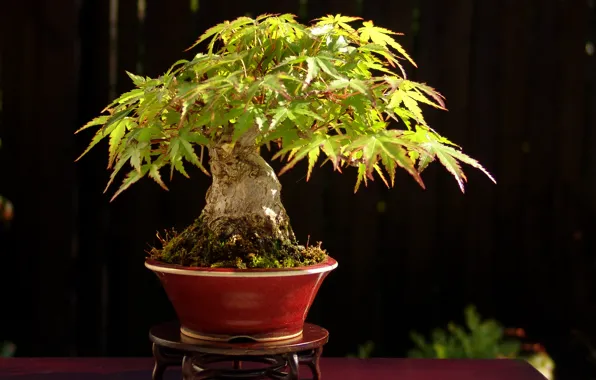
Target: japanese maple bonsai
[[299, 90]]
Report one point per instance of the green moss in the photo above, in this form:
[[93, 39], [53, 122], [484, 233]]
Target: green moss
[[246, 248]]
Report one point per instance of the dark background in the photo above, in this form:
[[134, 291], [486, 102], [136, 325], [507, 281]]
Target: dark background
[[519, 77]]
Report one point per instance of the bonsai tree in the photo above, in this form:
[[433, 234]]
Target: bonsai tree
[[329, 92]]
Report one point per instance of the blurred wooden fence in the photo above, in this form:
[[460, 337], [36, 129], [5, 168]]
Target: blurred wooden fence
[[519, 77]]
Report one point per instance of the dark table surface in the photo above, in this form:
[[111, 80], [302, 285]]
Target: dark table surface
[[332, 369]]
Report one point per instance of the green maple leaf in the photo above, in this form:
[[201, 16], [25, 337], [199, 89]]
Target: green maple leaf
[[132, 177], [388, 148], [382, 36], [313, 156], [115, 138], [299, 149], [188, 152], [362, 176], [339, 20], [450, 158], [100, 120], [154, 174]]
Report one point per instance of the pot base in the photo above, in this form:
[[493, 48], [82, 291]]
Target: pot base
[[260, 338]]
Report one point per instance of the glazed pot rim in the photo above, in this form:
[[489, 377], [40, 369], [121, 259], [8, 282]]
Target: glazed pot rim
[[157, 266]]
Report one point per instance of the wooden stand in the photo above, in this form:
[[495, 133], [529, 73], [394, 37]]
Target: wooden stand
[[198, 358]]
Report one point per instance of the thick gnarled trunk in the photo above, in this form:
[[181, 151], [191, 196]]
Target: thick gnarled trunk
[[244, 224], [244, 197]]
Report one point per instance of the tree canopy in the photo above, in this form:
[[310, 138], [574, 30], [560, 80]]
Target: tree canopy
[[330, 87]]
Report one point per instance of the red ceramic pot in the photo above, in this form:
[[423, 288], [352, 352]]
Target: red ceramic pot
[[224, 303]]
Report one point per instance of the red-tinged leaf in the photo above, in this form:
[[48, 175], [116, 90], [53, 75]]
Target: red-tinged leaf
[[388, 146], [175, 158], [96, 139], [132, 177], [423, 161], [179, 165], [331, 147], [266, 15], [390, 166], [313, 156], [154, 174], [115, 139], [361, 177], [418, 96], [453, 167], [123, 159], [394, 44], [385, 53], [100, 120], [135, 158], [399, 155], [382, 36], [189, 154], [338, 18], [380, 173], [137, 80], [448, 156], [297, 154], [216, 30], [342, 18], [413, 107], [438, 97]]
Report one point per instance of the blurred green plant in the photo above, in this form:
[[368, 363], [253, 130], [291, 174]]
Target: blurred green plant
[[364, 350], [7, 349], [481, 339], [478, 339]]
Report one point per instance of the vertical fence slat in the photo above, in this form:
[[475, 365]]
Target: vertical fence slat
[[484, 117], [129, 33], [538, 244], [39, 108], [93, 213], [453, 43], [569, 184], [589, 162], [511, 154], [126, 219]]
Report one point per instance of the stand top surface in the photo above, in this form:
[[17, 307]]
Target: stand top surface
[[169, 335]]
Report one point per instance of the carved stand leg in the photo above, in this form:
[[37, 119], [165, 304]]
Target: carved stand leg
[[293, 365], [163, 359], [312, 361], [187, 370], [292, 361]]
